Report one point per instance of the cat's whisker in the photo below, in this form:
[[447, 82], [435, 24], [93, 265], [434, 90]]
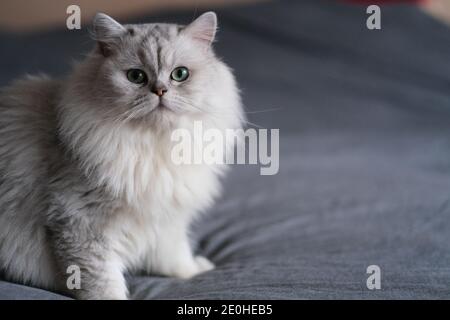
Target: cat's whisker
[[261, 111], [214, 114]]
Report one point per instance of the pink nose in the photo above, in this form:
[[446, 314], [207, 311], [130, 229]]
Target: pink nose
[[159, 91]]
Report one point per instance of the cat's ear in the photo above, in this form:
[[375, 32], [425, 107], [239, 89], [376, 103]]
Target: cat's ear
[[203, 29], [107, 32]]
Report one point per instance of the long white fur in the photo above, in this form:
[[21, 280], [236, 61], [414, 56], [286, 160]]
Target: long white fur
[[158, 199]]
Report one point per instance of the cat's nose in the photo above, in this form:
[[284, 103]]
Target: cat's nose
[[158, 89]]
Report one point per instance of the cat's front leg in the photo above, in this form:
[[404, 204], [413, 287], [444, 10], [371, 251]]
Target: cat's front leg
[[78, 254], [173, 254], [76, 231]]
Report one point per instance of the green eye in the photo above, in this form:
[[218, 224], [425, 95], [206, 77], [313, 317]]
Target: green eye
[[180, 74], [136, 76]]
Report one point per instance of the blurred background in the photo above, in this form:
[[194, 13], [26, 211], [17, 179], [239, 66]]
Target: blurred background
[[30, 16]]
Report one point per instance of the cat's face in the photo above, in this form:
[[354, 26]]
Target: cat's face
[[155, 72]]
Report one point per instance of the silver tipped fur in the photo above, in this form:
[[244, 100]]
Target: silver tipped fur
[[86, 177]]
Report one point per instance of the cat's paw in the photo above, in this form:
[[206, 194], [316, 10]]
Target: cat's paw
[[204, 264], [199, 265]]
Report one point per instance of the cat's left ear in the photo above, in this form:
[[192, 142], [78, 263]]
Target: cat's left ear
[[107, 32], [203, 29]]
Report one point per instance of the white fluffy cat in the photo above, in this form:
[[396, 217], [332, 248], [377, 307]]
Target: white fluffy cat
[[86, 176]]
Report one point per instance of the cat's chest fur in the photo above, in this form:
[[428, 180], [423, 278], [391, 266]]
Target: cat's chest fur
[[138, 168], [154, 192]]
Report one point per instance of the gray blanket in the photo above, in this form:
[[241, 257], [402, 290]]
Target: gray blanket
[[364, 119]]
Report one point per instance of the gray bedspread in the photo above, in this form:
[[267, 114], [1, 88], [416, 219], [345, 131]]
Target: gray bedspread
[[364, 119]]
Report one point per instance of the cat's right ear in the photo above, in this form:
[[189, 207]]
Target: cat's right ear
[[107, 32]]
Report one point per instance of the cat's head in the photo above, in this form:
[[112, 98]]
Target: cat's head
[[153, 74]]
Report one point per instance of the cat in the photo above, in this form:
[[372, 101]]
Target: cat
[[86, 177]]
